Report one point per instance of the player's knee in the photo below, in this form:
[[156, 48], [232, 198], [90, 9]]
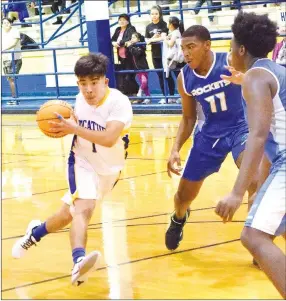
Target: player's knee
[[248, 238], [87, 212], [84, 208], [252, 239]]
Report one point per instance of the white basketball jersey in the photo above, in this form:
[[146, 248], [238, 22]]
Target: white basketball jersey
[[115, 106]]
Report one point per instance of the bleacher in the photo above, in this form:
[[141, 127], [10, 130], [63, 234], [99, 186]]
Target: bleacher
[[42, 61]]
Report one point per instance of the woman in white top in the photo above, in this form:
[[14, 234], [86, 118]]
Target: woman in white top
[[11, 41], [174, 55]]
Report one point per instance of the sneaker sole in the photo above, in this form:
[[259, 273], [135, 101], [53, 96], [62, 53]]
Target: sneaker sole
[[88, 265], [31, 226]]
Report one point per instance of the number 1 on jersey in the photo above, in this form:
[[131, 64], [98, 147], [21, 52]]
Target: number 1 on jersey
[[211, 100]]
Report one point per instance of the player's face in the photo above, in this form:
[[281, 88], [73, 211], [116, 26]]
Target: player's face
[[194, 51], [237, 56], [93, 88]]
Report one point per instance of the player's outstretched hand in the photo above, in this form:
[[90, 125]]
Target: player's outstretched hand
[[236, 77], [228, 206], [65, 126], [174, 164]]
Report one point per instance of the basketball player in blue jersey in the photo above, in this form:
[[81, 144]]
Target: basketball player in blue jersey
[[264, 90], [224, 129]]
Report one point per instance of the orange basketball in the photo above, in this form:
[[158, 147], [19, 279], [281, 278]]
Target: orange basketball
[[46, 113]]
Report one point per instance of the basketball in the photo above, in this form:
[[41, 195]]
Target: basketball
[[46, 113]]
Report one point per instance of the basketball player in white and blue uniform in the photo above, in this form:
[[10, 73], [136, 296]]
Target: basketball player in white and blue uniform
[[102, 119], [264, 90], [223, 130]]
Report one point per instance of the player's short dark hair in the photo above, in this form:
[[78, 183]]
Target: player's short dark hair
[[198, 31], [91, 64], [257, 33]]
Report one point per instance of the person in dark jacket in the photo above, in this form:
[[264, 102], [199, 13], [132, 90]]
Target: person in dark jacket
[[138, 53], [121, 36]]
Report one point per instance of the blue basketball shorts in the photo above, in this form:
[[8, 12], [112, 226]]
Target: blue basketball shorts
[[207, 154]]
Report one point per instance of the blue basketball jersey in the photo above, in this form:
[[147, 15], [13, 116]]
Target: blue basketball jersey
[[221, 101]]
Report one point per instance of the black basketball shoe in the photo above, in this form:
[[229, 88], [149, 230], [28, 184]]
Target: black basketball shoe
[[174, 234]]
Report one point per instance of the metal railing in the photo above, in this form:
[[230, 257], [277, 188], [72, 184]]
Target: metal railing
[[74, 7], [56, 73], [77, 6]]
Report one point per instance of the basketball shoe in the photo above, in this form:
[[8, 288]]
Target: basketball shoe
[[83, 267], [23, 244], [174, 234]]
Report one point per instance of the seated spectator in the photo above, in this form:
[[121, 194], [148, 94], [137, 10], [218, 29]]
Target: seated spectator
[[67, 4], [138, 53], [55, 7], [164, 5], [279, 52], [236, 5], [121, 36], [199, 5], [17, 11], [11, 41], [27, 42]]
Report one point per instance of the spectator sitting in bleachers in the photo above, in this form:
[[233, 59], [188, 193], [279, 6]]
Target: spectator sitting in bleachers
[[123, 34], [16, 11], [11, 41], [138, 53], [236, 5], [55, 8], [200, 3]]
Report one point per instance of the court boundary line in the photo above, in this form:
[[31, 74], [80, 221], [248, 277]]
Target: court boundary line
[[125, 263]]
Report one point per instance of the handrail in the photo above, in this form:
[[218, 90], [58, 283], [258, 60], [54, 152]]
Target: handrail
[[56, 73], [76, 6], [46, 49]]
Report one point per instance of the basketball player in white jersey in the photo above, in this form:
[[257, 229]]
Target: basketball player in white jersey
[[98, 152], [264, 90]]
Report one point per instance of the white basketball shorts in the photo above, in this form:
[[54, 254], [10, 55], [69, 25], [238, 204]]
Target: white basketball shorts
[[85, 183], [268, 212]]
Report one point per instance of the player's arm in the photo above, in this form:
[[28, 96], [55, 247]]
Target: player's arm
[[105, 138], [258, 96], [264, 170], [186, 127], [189, 117], [258, 91]]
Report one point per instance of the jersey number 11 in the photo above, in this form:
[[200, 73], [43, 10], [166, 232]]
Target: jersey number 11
[[211, 100]]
